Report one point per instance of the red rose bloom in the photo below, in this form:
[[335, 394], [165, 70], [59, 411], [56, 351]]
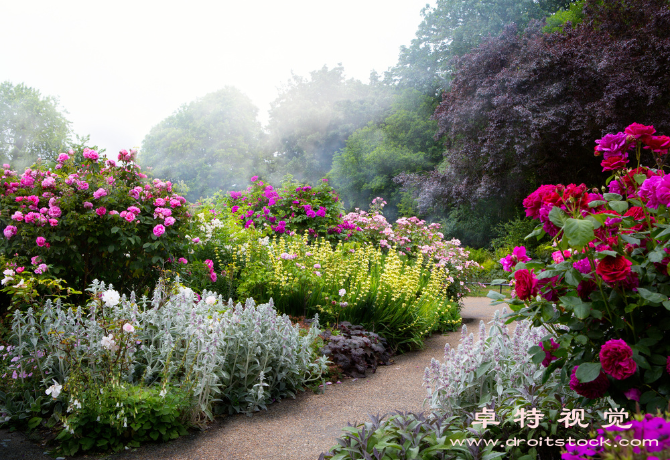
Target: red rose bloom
[[594, 389], [639, 131], [616, 358], [526, 284], [613, 163], [613, 269]]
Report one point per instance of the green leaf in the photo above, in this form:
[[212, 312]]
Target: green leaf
[[583, 311], [579, 232], [612, 196], [588, 372], [547, 312], [539, 232], [654, 297], [639, 178], [34, 422], [115, 229], [557, 216], [666, 304], [619, 206], [596, 203], [653, 374], [87, 443], [495, 295]]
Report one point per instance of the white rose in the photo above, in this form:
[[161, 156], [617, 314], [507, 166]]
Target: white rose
[[210, 300], [111, 298]]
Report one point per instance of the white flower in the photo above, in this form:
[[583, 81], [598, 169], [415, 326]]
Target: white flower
[[210, 300], [54, 390], [111, 298], [342, 292], [21, 284], [162, 393], [76, 404], [128, 327], [6, 280], [109, 343], [9, 272], [188, 292]]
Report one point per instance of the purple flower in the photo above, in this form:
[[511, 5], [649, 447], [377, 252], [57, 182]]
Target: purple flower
[[254, 178], [613, 145], [616, 358]]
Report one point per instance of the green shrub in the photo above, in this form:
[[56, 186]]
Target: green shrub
[[115, 416], [574, 14]]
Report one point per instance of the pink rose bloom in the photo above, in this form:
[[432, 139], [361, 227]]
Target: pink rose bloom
[[91, 154], [134, 209], [129, 217], [81, 185], [170, 221], [592, 390], [616, 358], [113, 213], [159, 202], [35, 260], [99, 193], [18, 216], [582, 266], [20, 269], [41, 241], [53, 222], [234, 209], [43, 210], [182, 260], [141, 175], [63, 157], [209, 264], [110, 180], [633, 394], [128, 327], [175, 202], [123, 213], [135, 193], [59, 166], [9, 231], [254, 178], [111, 163], [159, 230], [88, 205], [101, 211], [48, 182], [55, 211], [196, 240], [212, 276]]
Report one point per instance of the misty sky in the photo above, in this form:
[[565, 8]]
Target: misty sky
[[121, 67]]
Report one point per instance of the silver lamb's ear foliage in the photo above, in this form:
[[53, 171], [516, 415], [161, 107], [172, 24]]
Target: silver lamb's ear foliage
[[493, 368], [238, 357]]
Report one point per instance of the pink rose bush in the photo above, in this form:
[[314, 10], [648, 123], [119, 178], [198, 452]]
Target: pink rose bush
[[49, 212], [605, 293]]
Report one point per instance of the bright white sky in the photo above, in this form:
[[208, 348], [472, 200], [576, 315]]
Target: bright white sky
[[121, 67]]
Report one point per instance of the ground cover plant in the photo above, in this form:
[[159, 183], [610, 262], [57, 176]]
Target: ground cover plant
[[175, 358], [608, 277], [355, 350]]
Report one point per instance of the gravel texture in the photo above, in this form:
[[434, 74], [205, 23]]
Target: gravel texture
[[296, 429]]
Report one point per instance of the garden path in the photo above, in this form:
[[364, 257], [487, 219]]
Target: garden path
[[295, 429]]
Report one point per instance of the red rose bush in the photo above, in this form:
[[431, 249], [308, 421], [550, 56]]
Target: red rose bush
[[604, 297]]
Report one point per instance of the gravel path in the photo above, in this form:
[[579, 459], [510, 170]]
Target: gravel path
[[296, 429]]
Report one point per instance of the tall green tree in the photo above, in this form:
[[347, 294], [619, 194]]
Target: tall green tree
[[31, 126], [213, 143], [374, 155], [452, 28], [313, 117]]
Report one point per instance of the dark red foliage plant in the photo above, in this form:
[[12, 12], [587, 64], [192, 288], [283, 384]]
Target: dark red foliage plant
[[523, 109]]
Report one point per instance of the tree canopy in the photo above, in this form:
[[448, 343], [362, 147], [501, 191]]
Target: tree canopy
[[452, 28], [31, 126], [213, 143], [525, 109], [312, 118], [374, 155]]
